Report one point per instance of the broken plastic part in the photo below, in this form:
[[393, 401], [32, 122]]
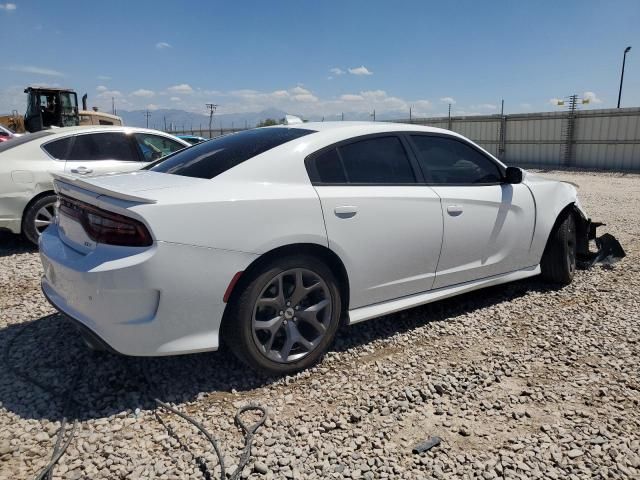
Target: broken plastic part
[[427, 445]]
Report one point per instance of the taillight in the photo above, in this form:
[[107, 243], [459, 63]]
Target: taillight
[[106, 227]]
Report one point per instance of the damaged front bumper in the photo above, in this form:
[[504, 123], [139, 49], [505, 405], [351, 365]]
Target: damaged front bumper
[[608, 248]]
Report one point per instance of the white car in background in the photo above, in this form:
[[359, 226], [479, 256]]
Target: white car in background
[[27, 199], [266, 239]]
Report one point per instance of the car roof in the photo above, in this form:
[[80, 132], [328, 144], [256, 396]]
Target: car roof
[[363, 128]]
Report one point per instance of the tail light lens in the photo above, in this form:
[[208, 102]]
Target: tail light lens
[[106, 227]]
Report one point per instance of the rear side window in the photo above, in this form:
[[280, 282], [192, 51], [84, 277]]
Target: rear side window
[[59, 148], [103, 146], [210, 159], [377, 161]]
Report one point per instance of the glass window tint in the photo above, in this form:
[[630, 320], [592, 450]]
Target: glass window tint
[[59, 148], [329, 167], [154, 147], [210, 159], [448, 161], [378, 160], [103, 146]]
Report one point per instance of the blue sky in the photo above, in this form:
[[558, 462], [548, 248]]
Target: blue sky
[[323, 57]]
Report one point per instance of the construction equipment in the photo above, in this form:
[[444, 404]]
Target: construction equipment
[[49, 107]]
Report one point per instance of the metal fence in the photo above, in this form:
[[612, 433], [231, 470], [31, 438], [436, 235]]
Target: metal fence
[[606, 139]]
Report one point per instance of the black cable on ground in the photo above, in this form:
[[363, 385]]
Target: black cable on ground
[[60, 447], [249, 432]]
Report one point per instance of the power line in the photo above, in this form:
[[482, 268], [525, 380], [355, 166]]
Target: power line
[[147, 114]]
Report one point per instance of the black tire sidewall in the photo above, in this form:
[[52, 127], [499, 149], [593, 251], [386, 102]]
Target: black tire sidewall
[[239, 330], [28, 221]]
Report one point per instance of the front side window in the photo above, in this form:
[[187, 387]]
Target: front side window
[[154, 147], [210, 159], [447, 161], [381, 160], [103, 146]]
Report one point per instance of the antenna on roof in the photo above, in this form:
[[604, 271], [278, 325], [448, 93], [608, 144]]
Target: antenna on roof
[[292, 120]]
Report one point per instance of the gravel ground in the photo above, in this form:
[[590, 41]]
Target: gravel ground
[[519, 381]]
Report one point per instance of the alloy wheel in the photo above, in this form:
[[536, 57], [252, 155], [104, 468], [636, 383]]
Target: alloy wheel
[[44, 217], [291, 315]]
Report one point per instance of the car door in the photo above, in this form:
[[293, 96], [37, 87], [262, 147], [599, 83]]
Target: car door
[[384, 224], [488, 224], [98, 153], [153, 147]]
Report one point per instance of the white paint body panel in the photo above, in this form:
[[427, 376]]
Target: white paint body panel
[[487, 231], [390, 240], [391, 245]]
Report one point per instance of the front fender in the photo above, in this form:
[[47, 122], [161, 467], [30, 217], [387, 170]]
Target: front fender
[[551, 198]]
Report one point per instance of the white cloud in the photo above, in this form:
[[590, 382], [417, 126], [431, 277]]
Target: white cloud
[[450, 100], [484, 106], [36, 70], [350, 97], [362, 70], [337, 71], [374, 94], [109, 93], [152, 106], [591, 97], [8, 7], [143, 93], [183, 88], [280, 94], [101, 88], [162, 45], [175, 99]]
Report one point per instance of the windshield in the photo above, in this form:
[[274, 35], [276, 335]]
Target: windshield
[[17, 141], [210, 159]]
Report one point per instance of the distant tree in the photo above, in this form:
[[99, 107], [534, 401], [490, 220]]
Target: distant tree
[[268, 122]]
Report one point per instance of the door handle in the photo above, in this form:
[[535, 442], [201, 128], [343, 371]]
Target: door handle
[[454, 210], [81, 170], [345, 211]]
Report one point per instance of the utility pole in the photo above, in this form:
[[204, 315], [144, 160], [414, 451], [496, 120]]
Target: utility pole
[[624, 58], [449, 117], [502, 132], [113, 105], [147, 114], [212, 109], [410, 119], [374, 114], [343, 116]]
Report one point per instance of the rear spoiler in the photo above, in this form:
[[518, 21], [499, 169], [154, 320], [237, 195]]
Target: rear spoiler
[[62, 182]]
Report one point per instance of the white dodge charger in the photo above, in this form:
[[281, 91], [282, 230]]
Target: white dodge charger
[[267, 239]]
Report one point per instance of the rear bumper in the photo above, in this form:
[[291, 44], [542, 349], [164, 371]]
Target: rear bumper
[[161, 300]]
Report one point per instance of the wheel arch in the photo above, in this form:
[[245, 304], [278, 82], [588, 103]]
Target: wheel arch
[[582, 227], [333, 261]]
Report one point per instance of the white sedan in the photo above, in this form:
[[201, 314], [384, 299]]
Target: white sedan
[[267, 239], [27, 199]]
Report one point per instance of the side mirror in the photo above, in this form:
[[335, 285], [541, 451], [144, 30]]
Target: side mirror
[[513, 175]]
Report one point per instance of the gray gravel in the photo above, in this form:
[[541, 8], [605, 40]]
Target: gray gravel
[[519, 381]]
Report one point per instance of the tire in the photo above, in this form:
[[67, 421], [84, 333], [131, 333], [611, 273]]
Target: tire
[[34, 220], [262, 302], [558, 262]]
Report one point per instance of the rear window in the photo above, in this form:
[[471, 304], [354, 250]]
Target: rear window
[[59, 148], [210, 159], [15, 142]]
